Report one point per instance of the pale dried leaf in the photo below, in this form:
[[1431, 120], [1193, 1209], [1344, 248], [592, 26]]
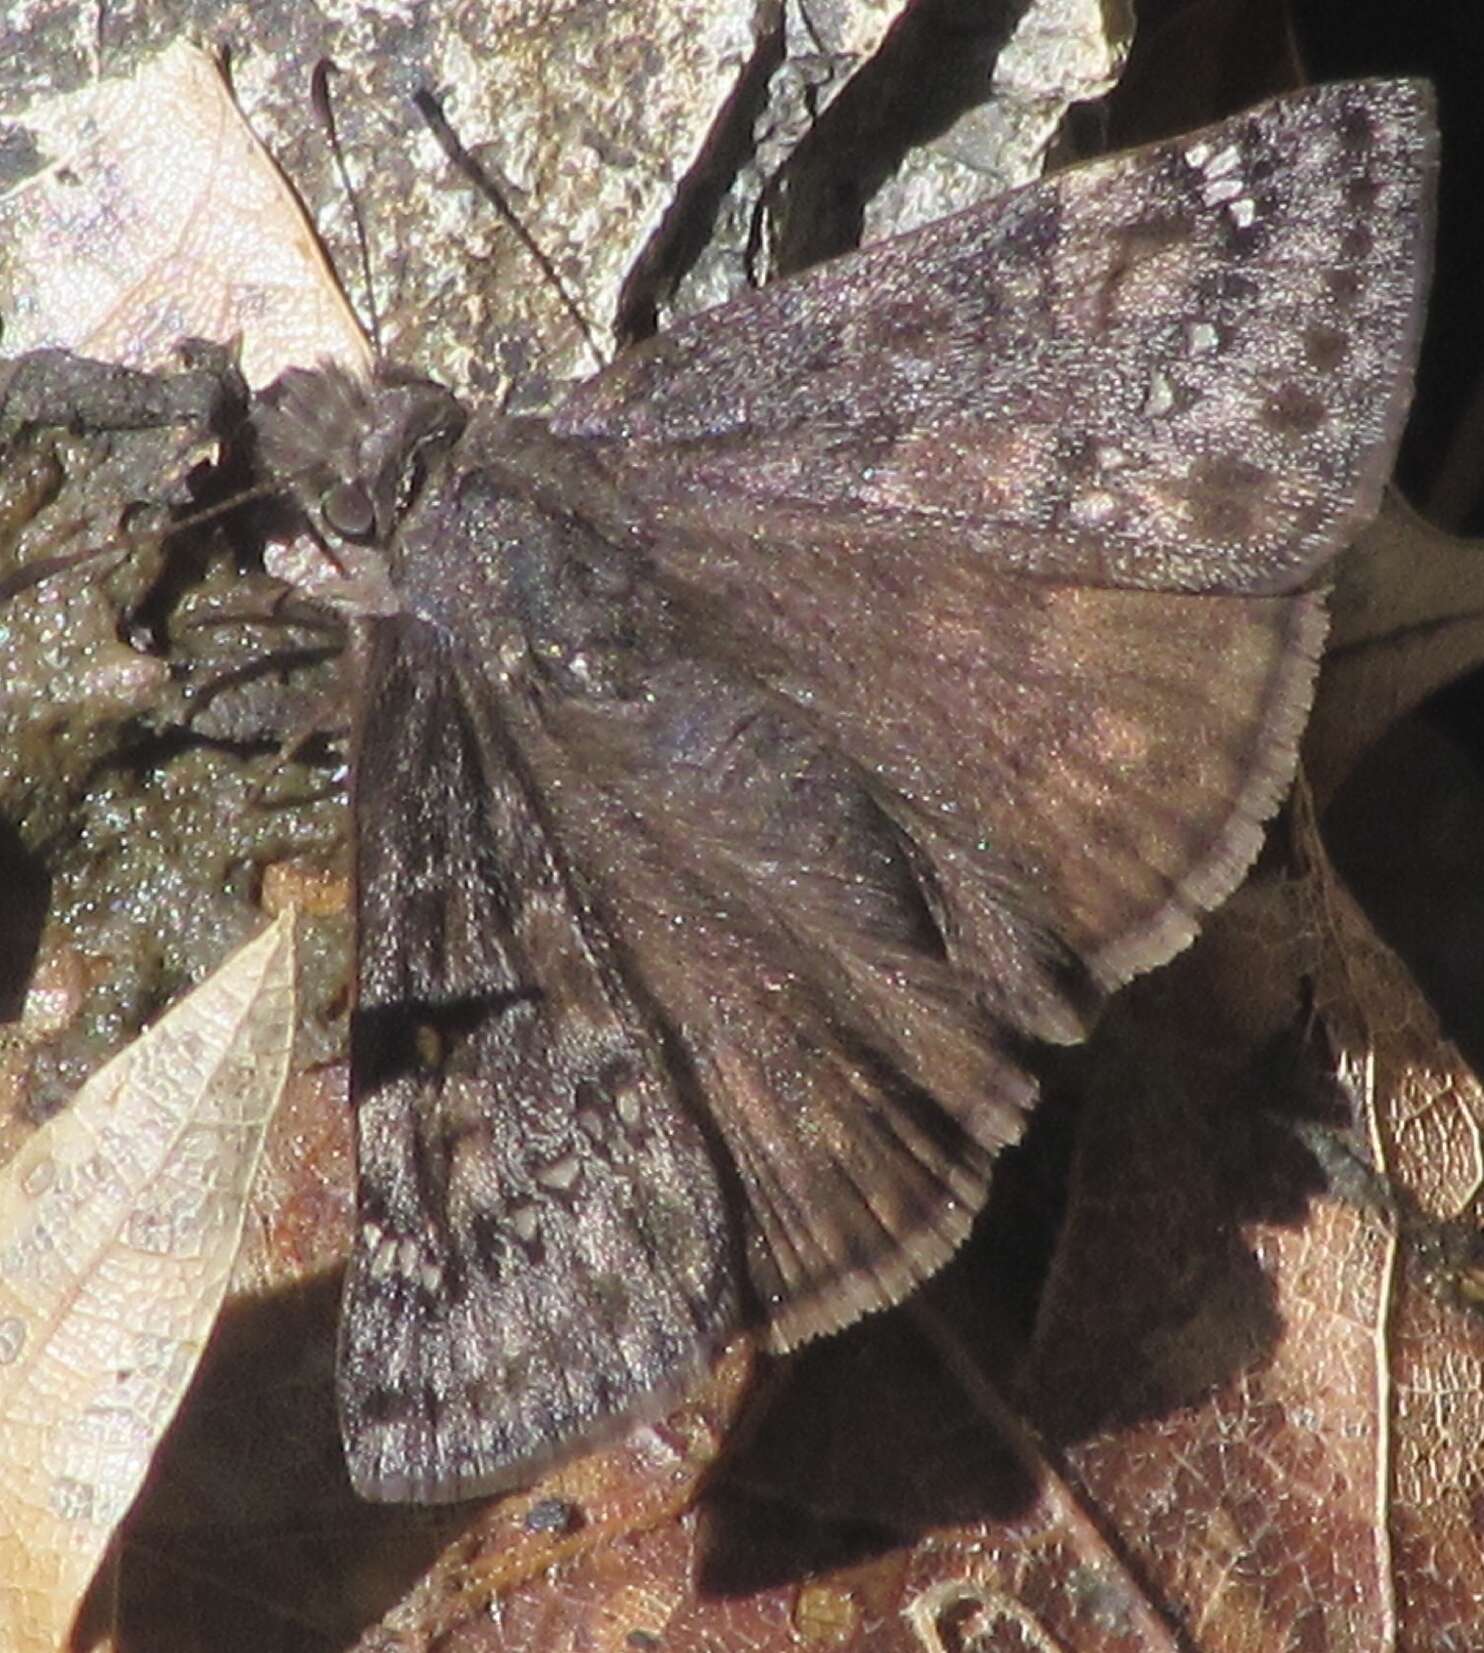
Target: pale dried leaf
[[162, 217], [119, 1222]]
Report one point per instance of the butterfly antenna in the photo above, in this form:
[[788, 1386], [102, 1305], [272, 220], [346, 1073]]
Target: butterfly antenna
[[319, 91], [448, 139]]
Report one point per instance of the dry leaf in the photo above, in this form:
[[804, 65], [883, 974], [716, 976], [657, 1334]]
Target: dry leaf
[[119, 1223], [1407, 619], [162, 217], [1419, 1124], [1258, 1374]]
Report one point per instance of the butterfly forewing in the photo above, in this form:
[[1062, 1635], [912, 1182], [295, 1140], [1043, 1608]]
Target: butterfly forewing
[[1185, 367], [543, 1244]]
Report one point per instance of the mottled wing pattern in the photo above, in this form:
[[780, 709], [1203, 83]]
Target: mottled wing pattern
[[1180, 368], [543, 1242]]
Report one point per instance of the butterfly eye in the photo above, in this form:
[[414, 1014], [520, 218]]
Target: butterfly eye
[[347, 509]]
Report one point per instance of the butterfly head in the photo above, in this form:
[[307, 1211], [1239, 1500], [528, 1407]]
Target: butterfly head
[[357, 452]]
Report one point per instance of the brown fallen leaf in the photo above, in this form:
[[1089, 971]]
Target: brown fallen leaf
[[1418, 1124], [119, 1223], [1242, 1359]]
